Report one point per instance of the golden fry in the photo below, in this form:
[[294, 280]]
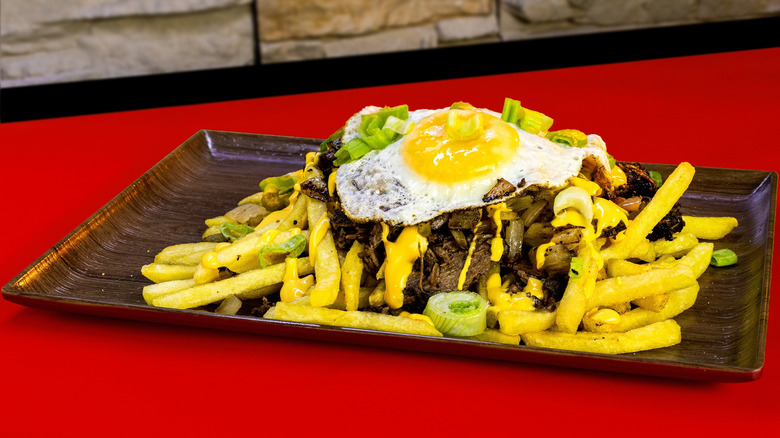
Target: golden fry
[[351, 273], [208, 293], [679, 301], [156, 290], [350, 318], [663, 201], [709, 228], [517, 322], [657, 281], [656, 335], [682, 243], [188, 254], [159, 273]]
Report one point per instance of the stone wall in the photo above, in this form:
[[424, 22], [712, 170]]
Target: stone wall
[[92, 39]]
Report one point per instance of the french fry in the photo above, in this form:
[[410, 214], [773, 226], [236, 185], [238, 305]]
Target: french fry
[[152, 291], [205, 275], [188, 254], [656, 335], [679, 301], [496, 336], [297, 217], [709, 228], [208, 293], [350, 318], [644, 250], [653, 303], [351, 273], [681, 244], [377, 297], [327, 271], [159, 273], [663, 201], [517, 322], [575, 298], [657, 281], [698, 258]]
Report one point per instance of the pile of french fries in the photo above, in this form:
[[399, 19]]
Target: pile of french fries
[[624, 300]]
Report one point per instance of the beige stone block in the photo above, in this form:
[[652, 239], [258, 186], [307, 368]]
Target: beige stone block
[[672, 11], [710, 10], [540, 10], [614, 13], [467, 28], [306, 19], [394, 40], [72, 50], [297, 50]]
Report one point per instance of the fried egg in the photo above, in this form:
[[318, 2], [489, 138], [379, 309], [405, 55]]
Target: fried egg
[[427, 172]]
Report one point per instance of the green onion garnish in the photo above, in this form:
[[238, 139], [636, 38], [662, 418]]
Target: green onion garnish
[[612, 161], [569, 137], [293, 247], [723, 257], [463, 105], [535, 122], [656, 176], [351, 151], [512, 111], [576, 267], [232, 232], [373, 129], [464, 127], [283, 184], [459, 313], [329, 140]]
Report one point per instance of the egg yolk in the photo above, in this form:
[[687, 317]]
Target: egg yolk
[[434, 154]]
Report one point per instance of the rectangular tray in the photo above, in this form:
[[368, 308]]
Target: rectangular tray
[[96, 268]]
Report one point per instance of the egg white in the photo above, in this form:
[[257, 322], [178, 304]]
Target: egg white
[[381, 187]]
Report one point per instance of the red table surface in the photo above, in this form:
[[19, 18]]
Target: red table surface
[[68, 374]]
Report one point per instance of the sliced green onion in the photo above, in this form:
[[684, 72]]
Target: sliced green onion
[[612, 161], [372, 127], [535, 122], [576, 267], [293, 247], [283, 184], [723, 257], [398, 126], [459, 313], [331, 139], [656, 176], [232, 232], [512, 111], [464, 127], [462, 105], [351, 151], [569, 137]]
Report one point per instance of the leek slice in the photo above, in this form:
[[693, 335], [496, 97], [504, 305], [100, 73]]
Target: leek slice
[[723, 257], [576, 267], [462, 127], [232, 232], [535, 122], [284, 184], [569, 137], [656, 176], [293, 247], [459, 313], [512, 111], [351, 151]]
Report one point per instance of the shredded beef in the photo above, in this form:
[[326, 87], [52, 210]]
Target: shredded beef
[[316, 188], [500, 190]]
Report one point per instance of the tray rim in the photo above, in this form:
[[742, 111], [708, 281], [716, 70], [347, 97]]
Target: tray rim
[[485, 350]]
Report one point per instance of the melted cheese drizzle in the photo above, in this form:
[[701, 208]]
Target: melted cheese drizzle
[[399, 261], [462, 276], [292, 286], [497, 244], [502, 300]]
